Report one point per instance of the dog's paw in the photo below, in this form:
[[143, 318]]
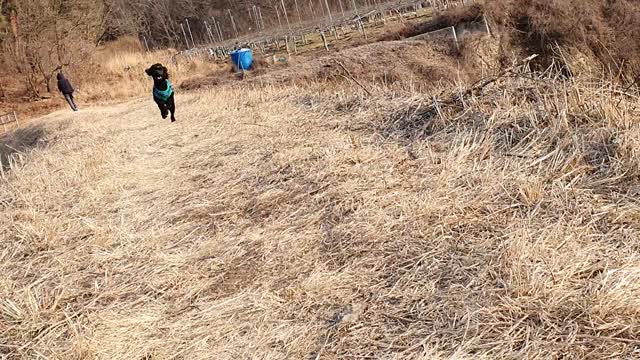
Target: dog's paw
[[173, 119]]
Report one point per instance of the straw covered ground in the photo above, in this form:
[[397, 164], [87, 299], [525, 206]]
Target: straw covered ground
[[322, 222]]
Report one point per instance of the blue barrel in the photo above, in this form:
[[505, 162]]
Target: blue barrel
[[242, 59]]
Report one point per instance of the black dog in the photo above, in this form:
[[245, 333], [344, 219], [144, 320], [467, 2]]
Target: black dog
[[162, 90]]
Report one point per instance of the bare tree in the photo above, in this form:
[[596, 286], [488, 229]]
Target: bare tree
[[48, 35]]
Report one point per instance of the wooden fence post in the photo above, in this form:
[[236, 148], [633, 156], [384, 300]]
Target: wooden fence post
[[355, 8], [286, 16], [220, 33], [455, 36], [342, 9], [206, 26], [326, 2], [233, 23], [185, 35], [145, 43], [311, 9], [213, 37], [298, 11], [486, 24], [193, 43], [261, 18], [278, 16], [256, 18], [324, 40], [364, 31]]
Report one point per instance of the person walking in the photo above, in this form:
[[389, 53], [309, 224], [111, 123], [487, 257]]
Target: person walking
[[67, 90]]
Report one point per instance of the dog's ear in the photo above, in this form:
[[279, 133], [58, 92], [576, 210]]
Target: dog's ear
[[166, 72]]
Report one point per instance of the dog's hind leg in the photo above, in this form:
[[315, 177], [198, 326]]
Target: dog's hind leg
[[163, 111], [171, 105]]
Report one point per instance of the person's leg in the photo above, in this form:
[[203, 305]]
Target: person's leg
[[70, 101], [73, 101]]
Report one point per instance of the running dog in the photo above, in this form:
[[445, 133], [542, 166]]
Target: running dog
[[162, 90]]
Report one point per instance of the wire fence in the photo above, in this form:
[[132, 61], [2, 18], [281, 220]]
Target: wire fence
[[214, 41]]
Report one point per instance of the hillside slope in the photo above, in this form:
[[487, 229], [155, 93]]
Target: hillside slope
[[301, 223]]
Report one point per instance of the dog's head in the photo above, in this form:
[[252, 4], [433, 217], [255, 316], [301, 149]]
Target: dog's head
[[158, 72]]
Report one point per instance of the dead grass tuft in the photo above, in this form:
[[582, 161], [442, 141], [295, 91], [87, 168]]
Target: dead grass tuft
[[605, 33]]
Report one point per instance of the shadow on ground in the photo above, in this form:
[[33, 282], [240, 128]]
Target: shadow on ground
[[19, 141]]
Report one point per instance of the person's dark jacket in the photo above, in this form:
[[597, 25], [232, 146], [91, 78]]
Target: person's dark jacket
[[64, 85]]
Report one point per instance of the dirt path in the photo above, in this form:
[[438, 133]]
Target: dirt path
[[152, 235]]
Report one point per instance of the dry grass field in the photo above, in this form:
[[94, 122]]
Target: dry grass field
[[288, 222], [369, 210]]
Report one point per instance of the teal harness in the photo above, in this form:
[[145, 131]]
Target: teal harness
[[163, 95]]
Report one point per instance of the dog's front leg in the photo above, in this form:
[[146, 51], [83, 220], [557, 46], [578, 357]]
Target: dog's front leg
[[163, 108]]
